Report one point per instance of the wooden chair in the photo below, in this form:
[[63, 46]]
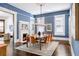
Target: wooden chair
[[48, 38], [20, 42], [7, 38], [26, 40], [33, 40]]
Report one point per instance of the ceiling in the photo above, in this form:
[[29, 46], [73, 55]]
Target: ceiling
[[34, 8]]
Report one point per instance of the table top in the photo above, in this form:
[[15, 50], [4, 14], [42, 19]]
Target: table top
[[2, 45]]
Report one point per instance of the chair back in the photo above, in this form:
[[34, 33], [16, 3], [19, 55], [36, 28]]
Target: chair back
[[26, 38], [48, 38], [7, 38], [33, 39]]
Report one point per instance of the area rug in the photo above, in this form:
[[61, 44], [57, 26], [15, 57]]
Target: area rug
[[47, 49]]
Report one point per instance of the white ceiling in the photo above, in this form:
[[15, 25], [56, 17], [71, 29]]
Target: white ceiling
[[34, 8]]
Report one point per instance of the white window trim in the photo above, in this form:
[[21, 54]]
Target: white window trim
[[57, 16]]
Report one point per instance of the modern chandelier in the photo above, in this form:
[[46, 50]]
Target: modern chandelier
[[41, 13]]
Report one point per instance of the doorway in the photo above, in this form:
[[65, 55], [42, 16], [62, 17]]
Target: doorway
[[8, 26]]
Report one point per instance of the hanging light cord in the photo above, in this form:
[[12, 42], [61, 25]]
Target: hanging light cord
[[41, 9]]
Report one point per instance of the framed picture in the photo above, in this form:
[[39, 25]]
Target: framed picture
[[48, 27], [11, 27], [24, 27]]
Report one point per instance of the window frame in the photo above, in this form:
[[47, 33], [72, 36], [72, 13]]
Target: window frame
[[3, 26]]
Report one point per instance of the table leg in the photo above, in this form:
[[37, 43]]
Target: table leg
[[40, 43]]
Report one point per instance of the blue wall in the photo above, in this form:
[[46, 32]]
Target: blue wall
[[49, 18], [21, 15], [75, 45]]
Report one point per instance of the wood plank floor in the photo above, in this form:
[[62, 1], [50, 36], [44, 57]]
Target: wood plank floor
[[9, 51], [62, 50], [10, 48]]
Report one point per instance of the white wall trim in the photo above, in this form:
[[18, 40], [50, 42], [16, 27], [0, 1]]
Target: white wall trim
[[72, 27], [60, 38], [23, 22], [15, 20], [7, 10], [32, 22]]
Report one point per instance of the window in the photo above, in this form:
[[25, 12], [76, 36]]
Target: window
[[59, 26], [2, 26]]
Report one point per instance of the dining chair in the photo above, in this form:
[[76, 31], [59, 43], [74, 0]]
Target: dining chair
[[33, 40], [46, 41], [7, 38], [48, 38], [26, 39]]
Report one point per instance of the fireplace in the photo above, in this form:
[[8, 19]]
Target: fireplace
[[24, 36]]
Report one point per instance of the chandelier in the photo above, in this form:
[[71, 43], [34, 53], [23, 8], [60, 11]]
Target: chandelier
[[41, 10]]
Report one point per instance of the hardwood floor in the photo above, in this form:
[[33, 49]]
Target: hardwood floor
[[10, 48], [63, 49]]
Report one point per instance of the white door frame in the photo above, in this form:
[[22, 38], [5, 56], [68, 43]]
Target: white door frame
[[14, 21]]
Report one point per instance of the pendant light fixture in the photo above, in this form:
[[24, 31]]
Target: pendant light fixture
[[41, 14]]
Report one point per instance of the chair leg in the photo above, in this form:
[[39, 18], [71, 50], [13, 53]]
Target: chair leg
[[27, 44]]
